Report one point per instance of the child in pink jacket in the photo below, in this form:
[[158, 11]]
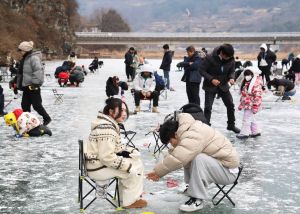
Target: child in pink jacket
[[251, 98]]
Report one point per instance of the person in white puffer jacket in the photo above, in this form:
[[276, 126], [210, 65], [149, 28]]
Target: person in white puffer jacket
[[206, 155], [144, 86]]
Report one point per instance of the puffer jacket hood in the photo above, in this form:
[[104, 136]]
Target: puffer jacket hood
[[264, 46], [147, 68], [254, 70], [256, 79]]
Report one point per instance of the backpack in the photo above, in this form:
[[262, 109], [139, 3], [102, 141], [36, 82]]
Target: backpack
[[159, 81], [191, 108]]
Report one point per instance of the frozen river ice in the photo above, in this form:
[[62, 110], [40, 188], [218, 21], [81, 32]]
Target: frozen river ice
[[40, 175]]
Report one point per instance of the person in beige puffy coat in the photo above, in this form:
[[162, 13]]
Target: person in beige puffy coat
[[206, 155], [106, 157]]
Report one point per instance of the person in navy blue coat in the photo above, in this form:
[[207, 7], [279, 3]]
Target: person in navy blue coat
[[192, 76], [166, 64]]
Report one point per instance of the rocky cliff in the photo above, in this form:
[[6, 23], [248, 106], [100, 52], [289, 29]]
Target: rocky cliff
[[50, 24]]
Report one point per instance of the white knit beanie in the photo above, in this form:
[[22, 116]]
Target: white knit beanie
[[26, 46]]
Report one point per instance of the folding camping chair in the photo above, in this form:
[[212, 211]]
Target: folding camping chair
[[58, 96], [128, 135], [157, 148], [225, 193], [100, 191]]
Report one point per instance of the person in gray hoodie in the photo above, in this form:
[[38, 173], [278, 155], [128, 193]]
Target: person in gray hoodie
[[30, 78]]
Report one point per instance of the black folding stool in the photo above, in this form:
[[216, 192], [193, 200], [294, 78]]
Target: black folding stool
[[225, 193], [128, 135], [99, 190], [157, 148], [58, 97]]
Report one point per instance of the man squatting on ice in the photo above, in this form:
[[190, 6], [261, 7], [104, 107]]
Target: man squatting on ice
[[206, 155]]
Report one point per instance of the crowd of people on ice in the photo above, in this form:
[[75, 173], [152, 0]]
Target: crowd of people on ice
[[206, 155]]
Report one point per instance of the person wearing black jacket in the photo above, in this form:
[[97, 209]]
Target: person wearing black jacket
[[192, 76], [129, 64], [113, 85], [284, 87], [94, 65], [166, 64], [294, 70], [265, 60], [218, 70]]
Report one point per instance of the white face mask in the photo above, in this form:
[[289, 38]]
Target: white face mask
[[248, 78]]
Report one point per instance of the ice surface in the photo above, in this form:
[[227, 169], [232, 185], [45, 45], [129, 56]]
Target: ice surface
[[39, 175]]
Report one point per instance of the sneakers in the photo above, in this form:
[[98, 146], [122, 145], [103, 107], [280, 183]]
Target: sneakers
[[285, 98], [137, 204], [192, 205], [233, 128], [241, 136], [137, 109], [155, 110]]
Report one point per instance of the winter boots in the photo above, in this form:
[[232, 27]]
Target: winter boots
[[233, 128], [137, 109], [138, 204], [155, 110]]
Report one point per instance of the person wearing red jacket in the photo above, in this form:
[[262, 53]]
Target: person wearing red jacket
[[251, 98]]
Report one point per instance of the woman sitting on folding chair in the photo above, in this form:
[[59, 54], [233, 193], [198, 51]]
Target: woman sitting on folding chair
[[107, 158], [206, 155]]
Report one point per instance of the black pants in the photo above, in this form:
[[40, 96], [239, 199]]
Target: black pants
[[129, 72], [227, 100], [192, 90], [1, 103], [138, 96], [33, 97], [265, 72], [38, 131]]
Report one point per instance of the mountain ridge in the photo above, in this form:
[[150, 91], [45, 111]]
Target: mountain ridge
[[205, 15]]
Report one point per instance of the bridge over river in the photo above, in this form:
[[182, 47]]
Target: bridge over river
[[153, 38]]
